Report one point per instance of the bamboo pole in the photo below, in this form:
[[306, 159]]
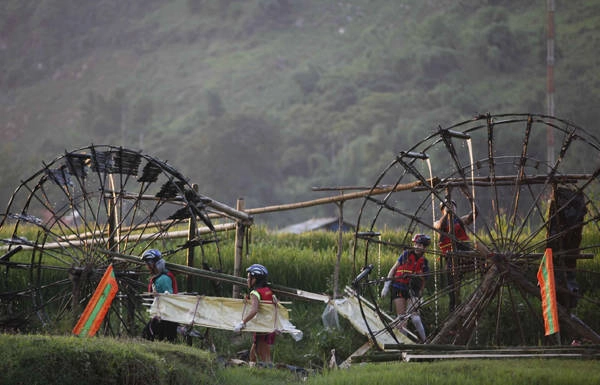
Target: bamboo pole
[[336, 270], [132, 237], [279, 289], [335, 199], [221, 207], [191, 251], [240, 229], [508, 180]]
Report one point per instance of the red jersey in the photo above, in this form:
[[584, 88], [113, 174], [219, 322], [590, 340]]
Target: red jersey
[[459, 233], [409, 264], [264, 293]]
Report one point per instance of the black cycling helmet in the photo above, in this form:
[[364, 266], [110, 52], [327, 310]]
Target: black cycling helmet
[[423, 239], [257, 270], [151, 256]]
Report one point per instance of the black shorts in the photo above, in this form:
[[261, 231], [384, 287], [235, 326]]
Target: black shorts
[[459, 260], [157, 329], [400, 292]]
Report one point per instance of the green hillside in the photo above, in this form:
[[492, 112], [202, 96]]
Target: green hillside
[[266, 98]]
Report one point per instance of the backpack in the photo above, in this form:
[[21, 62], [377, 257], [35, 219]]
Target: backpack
[[173, 282]]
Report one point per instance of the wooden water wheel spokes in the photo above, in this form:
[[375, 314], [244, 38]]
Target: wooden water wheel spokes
[[495, 165], [63, 225]]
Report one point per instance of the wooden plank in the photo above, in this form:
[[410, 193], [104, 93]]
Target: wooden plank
[[414, 357], [439, 352], [359, 352]]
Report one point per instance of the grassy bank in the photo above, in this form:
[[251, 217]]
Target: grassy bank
[[37, 359]]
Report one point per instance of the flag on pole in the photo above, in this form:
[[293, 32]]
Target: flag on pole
[[96, 309], [545, 276]]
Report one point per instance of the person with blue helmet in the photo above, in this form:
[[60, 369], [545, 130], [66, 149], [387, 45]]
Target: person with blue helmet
[[259, 292], [406, 279], [162, 281]]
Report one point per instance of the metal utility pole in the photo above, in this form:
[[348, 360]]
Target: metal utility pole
[[550, 5]]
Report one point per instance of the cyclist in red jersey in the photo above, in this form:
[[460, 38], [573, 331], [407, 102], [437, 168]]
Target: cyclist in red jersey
[[260, 291], [453, 237], [406, 279]]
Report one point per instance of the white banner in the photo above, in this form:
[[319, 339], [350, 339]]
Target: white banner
[[222, 313]]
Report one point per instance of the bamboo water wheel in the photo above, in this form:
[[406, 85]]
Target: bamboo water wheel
[[69, 219], [497, 166]]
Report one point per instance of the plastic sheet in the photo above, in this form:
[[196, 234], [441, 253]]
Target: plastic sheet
[[349, 308]]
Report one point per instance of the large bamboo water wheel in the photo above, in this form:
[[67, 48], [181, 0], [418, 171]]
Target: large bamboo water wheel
[[527, 201], [68, 221]]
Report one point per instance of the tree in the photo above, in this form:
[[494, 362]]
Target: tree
[[236, 155], [101, 116]]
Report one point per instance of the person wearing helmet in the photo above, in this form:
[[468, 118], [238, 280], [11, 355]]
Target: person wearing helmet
[[453, 238], [407, 281], [161, 281], [458, 230], [260, 291]]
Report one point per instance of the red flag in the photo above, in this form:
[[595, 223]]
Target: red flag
[[545, 276], [96, 309]]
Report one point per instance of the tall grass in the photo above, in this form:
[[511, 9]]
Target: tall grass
[[500, 372]]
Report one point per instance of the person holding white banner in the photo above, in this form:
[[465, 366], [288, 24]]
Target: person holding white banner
[[260, 292]]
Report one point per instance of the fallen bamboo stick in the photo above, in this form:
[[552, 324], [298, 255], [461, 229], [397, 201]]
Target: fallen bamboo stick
[[279, 289]]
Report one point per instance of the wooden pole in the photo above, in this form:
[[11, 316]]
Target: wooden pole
[[240, 228], [550, 5], [191, 251], [336, 270], [112, 225]]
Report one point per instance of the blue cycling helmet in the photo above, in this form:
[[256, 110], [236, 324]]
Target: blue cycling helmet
[[257, 270], [151, 256], [423, 239]]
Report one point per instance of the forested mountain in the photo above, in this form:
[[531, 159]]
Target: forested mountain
[[264, 99]]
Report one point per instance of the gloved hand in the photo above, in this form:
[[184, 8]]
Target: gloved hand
[[386, 288], [239, 326]]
